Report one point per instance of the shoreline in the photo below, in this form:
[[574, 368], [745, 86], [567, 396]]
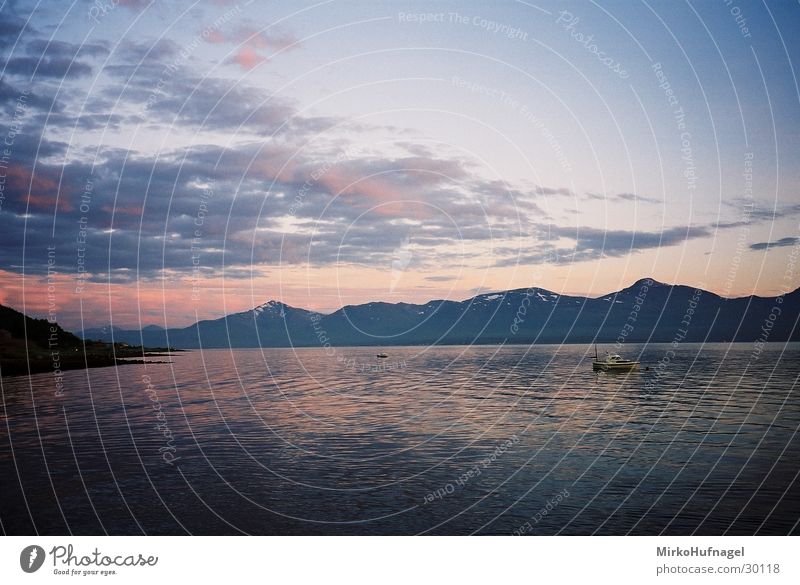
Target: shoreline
[[22, 366]]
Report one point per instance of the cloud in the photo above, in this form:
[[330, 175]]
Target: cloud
[[135, 4], [563, 191], [288, 191], [271, 205], [636, 198], [56, 67], [10, 28], [30, 146], [287, 188], [594, 243], [248, 58], [12, 97], [254, 46], [620, 197], [159, 92], [37, 190], [143, 52], [264, 39], [52, 48], [440, 278], [783, 242], [761, 210], [619, 242], [48, 58]]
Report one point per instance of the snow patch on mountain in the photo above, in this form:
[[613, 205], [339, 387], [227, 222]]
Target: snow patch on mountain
[[269, 308]]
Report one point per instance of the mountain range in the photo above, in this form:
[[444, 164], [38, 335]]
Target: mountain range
[[647, 311]]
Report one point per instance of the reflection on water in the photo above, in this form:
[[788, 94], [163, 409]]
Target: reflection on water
[[447, 440]]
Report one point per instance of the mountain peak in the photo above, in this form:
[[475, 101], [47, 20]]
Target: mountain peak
[[271, 303], [651, 282], [269, 307]]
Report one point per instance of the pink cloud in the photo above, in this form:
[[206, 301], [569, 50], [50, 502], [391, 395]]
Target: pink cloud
[[250, 41], [40, 190], [394, 193], [247, 58]]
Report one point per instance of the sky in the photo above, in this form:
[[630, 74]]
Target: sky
[[164, 162]]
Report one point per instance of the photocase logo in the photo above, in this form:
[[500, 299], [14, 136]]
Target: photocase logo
[[31, 558]]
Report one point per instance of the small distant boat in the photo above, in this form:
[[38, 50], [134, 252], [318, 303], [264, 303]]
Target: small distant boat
[[613, 362], [382, 355]]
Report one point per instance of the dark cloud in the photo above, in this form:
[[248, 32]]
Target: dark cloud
[[52, 48], [594, 243], [138, 53], [620, 242], [104, 121], [789, 241], [55, 67], [777, 212], [760, 210], [135, 5], [12, 96], [216, 104], [500, 195], [10, 28], [440, 278], [160, 92]]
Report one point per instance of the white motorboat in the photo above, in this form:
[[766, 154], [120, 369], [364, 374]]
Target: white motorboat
[[613, 362]]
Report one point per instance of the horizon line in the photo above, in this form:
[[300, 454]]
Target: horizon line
[[489, 292]]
